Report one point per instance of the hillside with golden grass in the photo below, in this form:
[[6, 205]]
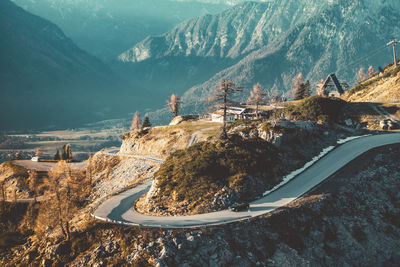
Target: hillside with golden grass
[[382, 87]]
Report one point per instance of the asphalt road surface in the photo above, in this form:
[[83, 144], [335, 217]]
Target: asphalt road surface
[[115, 152], [118, 209]]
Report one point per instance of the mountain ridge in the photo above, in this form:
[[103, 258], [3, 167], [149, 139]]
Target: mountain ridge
[[46, 79], [105, 28], [226, 34], [333, 41]]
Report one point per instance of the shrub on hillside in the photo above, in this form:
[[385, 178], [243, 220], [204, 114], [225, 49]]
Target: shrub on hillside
[[204, 168], [316, 108]]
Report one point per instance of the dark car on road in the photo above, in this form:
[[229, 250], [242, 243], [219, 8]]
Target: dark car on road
[[239, 207]]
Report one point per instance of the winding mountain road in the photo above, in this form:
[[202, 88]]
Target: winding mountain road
[[115, 152], [118, 209]]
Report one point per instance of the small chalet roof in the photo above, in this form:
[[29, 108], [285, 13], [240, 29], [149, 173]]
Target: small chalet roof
[[332, 80], [231, 111]]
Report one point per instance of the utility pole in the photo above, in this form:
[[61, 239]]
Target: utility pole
[[394, 43]]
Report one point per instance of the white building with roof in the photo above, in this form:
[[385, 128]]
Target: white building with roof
[[232, 114]]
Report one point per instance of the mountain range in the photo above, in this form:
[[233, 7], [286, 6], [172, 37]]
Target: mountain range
[[233, 33], [266, 42], [105, 28], [275, 41], [47, 80], [195, 50]]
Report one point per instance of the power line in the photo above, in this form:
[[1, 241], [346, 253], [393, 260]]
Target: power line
[[394, 43], [371, 54]]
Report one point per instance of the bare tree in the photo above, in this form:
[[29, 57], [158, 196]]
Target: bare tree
[[90, 169], [33, 182], [370, 72], [38, 153], [360, 76], [320, 88], [226, 88], [174, 104], [3, 195], [257, 97], [273, 95], [136, 122], [67, 186]]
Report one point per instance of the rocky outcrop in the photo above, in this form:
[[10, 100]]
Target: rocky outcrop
[[15, 181], [119, 174], [161, 141], [182, 118]]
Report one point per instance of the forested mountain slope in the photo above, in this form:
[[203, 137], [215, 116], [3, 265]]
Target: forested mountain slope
[[340, 39], [46, 79]]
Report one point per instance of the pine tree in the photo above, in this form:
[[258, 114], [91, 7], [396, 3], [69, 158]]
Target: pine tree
[[307, 89], [300, 92], [174, 104], [69, 152], [226, 88], [296, 84], [57, 155], [146, 122], [303, 90], [136, 122], [257, 97], [66, 152]]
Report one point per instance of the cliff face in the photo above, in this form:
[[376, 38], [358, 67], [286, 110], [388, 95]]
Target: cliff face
[[163, 140], [14, 179]]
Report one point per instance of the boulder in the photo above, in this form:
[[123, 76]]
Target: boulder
[[179, 119]]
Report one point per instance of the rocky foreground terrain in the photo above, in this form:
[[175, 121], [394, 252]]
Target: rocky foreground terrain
[[351, 219]]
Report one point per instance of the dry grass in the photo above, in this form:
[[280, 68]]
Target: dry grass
[[383, 88], [185, 130], [188, 126]]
